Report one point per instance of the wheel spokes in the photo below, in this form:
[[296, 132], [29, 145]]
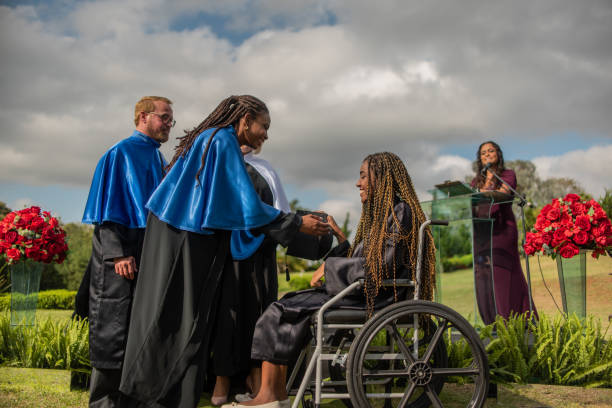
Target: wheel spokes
[[400, 342], [407, 394], [433, 397], [435, 339], [455, 371]]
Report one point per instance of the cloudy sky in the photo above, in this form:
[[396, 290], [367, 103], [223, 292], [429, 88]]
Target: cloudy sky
[[426, 80]]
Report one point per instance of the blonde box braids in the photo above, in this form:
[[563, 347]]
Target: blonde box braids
[[388, 179]]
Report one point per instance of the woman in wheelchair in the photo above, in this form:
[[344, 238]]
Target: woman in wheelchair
[[385, 247]]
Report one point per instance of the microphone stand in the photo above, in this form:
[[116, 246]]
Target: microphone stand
[[521, 204]]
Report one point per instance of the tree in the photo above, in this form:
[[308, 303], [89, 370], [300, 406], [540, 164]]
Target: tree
[[606, 202], [3, 210], [79, 244]]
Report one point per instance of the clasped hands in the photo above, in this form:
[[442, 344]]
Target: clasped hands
[[317, 276]]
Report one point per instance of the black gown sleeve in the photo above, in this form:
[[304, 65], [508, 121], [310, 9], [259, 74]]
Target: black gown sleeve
[[283, 229], [117, 241], [341, 272]]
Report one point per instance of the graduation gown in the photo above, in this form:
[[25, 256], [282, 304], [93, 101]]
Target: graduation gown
[[124, 178], [186, 249], [284, 328], [247, 290]]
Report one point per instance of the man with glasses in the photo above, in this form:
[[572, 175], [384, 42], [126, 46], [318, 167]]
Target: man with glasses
[[126, 175]]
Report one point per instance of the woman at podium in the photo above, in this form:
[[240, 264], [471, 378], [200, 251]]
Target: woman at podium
[[508, 283]]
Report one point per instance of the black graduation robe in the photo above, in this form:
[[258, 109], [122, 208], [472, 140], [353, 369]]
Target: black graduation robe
[[246, 291], [284, 328], [110, 294], [173, 315]]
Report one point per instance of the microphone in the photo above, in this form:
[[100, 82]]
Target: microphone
[[485, 168]]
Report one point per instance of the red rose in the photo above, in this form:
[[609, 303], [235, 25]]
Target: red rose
[[35, 210], [55, 249], [592, 203], [601, 240], [572, 198], [599, 214], [581, 238], [13, 253], [568, 250], [578, 209], [27, 217], [529, 249], [566, 219], [558, 237], [583, 222], [33, 253], [547, 238], [19, 222], [53, 222], [11, 236], [541, 223], [553, 214], [555, 203], [37, 223], [599, 230]]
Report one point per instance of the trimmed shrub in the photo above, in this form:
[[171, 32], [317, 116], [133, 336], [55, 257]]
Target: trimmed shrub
[[457, 262], [47, 299]]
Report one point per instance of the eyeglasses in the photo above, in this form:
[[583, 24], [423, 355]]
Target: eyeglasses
[[167, 119]]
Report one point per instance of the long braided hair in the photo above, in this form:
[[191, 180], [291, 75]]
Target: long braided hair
[[478, 166], [389, 180], [228, 112]]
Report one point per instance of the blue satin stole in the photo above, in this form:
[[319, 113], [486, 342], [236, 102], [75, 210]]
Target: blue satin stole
[[222, 198], [125, 177]]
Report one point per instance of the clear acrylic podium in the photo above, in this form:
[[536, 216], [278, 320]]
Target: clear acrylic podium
[[468, 213]]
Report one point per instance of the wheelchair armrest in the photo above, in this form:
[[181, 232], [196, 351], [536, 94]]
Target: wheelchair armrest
[[398, 282]]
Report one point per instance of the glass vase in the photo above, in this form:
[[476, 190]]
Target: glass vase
[[25, 282], [572, 281]]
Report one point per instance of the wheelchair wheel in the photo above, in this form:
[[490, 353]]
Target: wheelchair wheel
[[416, 362]]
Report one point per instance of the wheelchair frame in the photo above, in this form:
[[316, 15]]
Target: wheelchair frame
[[415, 370]]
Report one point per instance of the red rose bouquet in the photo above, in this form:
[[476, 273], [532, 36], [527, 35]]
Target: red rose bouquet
[[567, 225], [32, 234]]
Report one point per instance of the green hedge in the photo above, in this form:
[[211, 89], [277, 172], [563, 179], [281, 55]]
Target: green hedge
[[457, 262], [47, 299]]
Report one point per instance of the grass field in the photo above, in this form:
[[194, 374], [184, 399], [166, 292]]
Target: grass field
[[28, 387], [458, 288], [21, 387]]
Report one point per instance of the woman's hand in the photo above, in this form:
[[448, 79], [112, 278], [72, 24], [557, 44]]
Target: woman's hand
[[317, 276], [336, 229], [312, 225]]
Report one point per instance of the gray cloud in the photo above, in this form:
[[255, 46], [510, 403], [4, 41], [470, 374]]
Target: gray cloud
[[407, 77]]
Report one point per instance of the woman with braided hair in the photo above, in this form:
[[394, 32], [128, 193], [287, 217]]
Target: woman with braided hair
[[385, 247], [204, 214]]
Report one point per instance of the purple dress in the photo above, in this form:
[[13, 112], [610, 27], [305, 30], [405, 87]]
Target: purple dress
[[511, 292]]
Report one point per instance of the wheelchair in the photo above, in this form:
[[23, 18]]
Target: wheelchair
[[400, 357]]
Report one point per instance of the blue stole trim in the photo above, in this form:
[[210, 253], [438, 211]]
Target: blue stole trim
[[125, 177]]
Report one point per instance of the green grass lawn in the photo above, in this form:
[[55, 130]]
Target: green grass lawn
[[29, 387], [21, 387]]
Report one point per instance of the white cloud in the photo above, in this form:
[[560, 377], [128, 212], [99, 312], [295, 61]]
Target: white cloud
[[592, 168], [22, 203]]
